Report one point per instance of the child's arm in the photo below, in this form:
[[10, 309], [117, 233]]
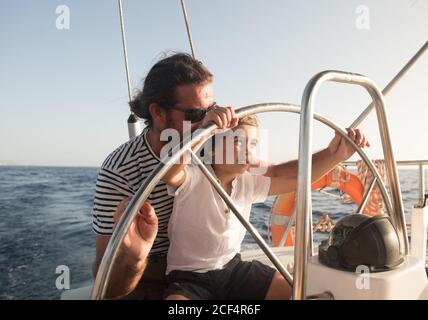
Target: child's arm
[[288, 182], [284, 176], [323, 161], [224, 118], [177, 173]]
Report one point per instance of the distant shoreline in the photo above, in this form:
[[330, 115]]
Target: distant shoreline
[[404, 168], [45, 166]]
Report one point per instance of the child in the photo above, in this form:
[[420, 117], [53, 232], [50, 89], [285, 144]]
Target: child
[[205, 237]]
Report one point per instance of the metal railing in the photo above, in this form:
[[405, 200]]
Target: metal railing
[[392, 83], [303, 242], [407, 163]]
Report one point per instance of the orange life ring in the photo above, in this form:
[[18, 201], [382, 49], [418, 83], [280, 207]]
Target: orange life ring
[[283, 206]]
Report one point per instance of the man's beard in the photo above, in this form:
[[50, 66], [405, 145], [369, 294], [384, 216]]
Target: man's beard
[[183, 127], [169, 122]]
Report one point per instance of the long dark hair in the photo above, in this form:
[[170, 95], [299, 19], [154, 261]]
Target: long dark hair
[[163, 79]]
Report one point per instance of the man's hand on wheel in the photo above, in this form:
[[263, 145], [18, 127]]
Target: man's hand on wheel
[[142, 233]]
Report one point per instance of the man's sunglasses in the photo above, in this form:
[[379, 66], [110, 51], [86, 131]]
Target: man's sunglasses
[[193, 114]]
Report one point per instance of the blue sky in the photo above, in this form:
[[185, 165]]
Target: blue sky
[[63, 94]]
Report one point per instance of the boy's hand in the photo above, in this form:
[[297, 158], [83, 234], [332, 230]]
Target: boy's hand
[[223, 117], [341, 149]]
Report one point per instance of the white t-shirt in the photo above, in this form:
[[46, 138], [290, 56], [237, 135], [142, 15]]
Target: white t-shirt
[[204, 235]]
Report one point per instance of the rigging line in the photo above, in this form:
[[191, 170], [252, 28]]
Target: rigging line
[[125, 51], [189, 34], [391, 84]]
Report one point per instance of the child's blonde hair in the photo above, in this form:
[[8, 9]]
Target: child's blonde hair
[[250, 120]]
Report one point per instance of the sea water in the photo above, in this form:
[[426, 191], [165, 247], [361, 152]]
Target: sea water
[[45, 225]]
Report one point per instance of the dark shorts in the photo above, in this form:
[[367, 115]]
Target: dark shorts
[[238, 280]]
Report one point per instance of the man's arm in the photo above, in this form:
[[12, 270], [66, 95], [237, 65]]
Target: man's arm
[[127, 272], [131, 262]]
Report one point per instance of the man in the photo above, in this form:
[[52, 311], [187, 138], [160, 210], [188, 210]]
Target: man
[[176, 89], [172, 89]]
